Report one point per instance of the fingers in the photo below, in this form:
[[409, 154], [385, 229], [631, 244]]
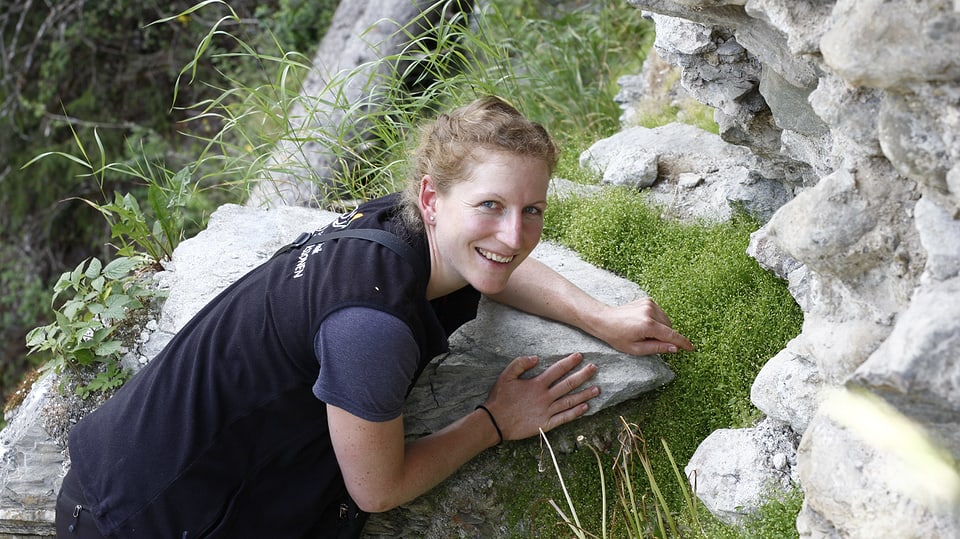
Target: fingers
[[565, 416], [560, 369], [523, 404], [568, 403], [652, 347], [654, 311], [671, 337], [519, 365], [574, 402]]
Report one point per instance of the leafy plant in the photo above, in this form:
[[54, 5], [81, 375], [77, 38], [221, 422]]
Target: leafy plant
[[167, 193], [96, 298], [71, 67]]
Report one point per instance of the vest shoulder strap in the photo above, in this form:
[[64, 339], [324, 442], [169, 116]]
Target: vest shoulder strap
[[387, 239]]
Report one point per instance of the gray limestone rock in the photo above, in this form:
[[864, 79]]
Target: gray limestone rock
[[734, 470], [918, 366], [31, 467], [866, 95], [866, 473], [482, 348], [727, 176], [920, 42], [788, 389]]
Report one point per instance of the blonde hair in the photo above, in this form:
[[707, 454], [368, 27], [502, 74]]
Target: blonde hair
[[449, 146]]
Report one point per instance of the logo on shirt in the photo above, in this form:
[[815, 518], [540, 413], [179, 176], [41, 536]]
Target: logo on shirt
[[344, 220], [341, 222]]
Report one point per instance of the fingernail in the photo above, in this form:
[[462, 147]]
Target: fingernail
[[672, 349]]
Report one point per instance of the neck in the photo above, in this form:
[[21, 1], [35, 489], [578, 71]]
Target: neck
[[440, 284]]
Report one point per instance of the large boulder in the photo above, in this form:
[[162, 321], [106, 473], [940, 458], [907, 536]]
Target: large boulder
[[735, 470]]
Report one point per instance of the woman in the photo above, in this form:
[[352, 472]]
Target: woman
[[276, 411]]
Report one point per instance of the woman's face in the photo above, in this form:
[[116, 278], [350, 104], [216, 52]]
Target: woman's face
[[482, 228]]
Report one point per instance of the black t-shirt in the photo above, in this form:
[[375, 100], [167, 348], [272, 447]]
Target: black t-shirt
[[222, 433]]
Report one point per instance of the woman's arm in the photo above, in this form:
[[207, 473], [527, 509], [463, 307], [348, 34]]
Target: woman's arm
[[382, 472], [640, 327]]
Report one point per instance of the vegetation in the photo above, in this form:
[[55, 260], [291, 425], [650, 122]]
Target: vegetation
[[72, 68], [96, 299], [738, 316], [559, 66]]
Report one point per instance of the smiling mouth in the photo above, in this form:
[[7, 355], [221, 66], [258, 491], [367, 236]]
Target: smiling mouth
[[495, 257]]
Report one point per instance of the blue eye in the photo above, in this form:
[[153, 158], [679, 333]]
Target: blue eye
[[533, 210], [489, 204]]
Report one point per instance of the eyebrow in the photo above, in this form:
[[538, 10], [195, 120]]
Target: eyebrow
[[489, 195]]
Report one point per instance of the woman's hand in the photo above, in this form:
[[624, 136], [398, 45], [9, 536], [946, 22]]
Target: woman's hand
[[523, 406], [640, 328]]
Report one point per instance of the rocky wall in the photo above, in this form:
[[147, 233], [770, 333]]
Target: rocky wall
[[858, 103]]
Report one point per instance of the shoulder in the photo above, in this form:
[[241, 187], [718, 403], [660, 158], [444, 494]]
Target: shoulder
[[368, 359], [363, 326]]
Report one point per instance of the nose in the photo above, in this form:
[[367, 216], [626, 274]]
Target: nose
[[511, 230]]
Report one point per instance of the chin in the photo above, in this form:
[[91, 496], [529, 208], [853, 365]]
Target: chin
[[488, 288]]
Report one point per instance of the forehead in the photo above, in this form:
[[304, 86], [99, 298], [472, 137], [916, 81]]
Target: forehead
[[506, 173]]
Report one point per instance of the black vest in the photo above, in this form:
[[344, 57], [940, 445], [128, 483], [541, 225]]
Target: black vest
[[221, 435]]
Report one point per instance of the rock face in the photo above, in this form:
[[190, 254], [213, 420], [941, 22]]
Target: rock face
[[30, 468], [858, 102], [239, 238]]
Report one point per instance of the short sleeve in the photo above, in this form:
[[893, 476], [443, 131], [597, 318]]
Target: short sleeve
[[368, 358]]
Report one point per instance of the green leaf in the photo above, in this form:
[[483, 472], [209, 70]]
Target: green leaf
[[36, 336], [93, 270], [73, 158], [62, 283], [84, 356], [70, 310], [97, 284], [120, 267], [107, 348], [76, 275]]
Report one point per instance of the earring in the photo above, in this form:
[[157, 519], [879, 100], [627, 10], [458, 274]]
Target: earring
[[433, 218]]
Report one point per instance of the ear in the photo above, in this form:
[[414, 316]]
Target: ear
[[428, 199]]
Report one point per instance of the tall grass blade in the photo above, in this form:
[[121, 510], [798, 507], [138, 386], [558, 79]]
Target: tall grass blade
[[573, 511]]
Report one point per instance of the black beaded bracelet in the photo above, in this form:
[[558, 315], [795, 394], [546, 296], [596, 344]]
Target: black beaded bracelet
[[492, 420]]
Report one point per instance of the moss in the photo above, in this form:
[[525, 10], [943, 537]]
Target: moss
[[23, 389], [737, 314], [777, 518]]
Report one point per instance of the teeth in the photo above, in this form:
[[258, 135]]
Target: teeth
[[495, 257]]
